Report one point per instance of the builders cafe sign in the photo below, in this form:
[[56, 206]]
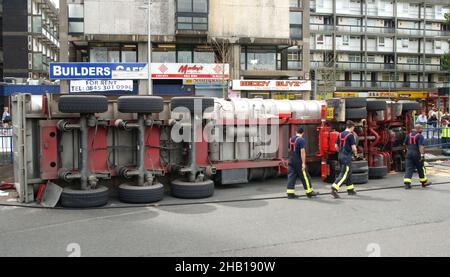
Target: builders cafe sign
[[137, 71]]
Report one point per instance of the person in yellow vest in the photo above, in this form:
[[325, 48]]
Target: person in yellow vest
[[445, 134]]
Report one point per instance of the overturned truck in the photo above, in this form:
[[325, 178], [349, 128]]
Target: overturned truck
[[143, 146]]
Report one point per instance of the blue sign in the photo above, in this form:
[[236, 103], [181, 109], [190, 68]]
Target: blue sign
[[88, 71]]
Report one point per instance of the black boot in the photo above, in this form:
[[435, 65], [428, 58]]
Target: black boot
[[408, 186], [335, 193], [292, 196], [312, 194], [426, 184], [351, 192]]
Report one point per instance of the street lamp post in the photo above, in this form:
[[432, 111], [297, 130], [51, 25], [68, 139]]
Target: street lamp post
[[149, 51]]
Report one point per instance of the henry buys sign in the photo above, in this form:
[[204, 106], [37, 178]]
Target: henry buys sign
[[137, 71], [272, 85], [100, 85]]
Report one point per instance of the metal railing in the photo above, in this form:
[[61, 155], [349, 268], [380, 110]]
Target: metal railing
[[6, 146], [435, 137]]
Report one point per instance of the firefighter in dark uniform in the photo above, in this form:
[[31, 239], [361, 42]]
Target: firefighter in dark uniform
[[346, 145], [297, 166], [415, 158]]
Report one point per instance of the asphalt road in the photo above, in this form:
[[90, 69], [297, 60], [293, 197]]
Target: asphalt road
[[386, 222]]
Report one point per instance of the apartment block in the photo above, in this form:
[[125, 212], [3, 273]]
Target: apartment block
[[29, 39], [380, 44]]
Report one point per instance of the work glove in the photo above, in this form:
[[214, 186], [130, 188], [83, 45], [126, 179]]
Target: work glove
[[422, 158]]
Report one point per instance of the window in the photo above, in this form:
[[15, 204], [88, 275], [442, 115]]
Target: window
[[295, 3], [296, 21], [438, 44], [113, 53], [192, 15], [412, 60], [319, 39], [345, 40], [204, 57], [405, 43], [259, 58], [370, 58], [294, 58], [76, 18], [164, 56], [354, 58], [381, 41]]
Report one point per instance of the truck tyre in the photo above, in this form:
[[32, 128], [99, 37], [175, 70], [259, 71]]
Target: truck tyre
[[140, 104], [360, 166], [376, 105], [75, 198], [411, 106], [191, 102], [141, 195], [377, 172], [356, 114], [196, 190], [357, 102], [83, 104], [360, 178]]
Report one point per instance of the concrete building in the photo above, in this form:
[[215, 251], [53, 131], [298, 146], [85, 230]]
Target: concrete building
[[375, 45], [29, 39], [263, 40]]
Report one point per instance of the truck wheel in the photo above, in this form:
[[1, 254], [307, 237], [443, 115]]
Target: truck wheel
[[140, 104], [377, 172], [360, 166], [376, 105], [360, 178], [190, 103], [197, 190], [83, 104], [141, 195], [356, 114], [357, 102], [75, 198], [411, 106]]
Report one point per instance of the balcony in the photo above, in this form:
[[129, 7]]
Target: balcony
[[385, 85], [321, 28]]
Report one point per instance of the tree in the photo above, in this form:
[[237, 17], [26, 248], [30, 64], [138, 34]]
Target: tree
[[223, 50], [445, 60]]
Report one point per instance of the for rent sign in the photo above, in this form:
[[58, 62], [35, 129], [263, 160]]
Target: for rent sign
[[79, 86], [272, 85]]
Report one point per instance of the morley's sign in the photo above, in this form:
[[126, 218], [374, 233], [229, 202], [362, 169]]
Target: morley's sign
[[272, 85], [136, 71]]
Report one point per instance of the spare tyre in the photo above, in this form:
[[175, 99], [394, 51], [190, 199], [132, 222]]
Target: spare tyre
[[360, 178], [378, 172], [195, 190], [356, 102], [411, 106], [140, 104], [192, 103], [76, 198], [83, 104], [356, 114], [360, 166], [376, 105]]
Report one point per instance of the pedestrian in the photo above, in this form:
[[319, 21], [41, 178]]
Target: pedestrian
[[422, 119], [6, 117], [415, 157], [445, 134], [345, 145], [446, 115], [297, 166]]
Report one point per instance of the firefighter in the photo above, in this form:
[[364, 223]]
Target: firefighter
[[297, 166], [345, 145], [445, 134], [415, 157]]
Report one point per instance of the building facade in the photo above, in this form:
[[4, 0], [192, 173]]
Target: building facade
[[260, 40], [380, 44], [29, 39], [346, 45]]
